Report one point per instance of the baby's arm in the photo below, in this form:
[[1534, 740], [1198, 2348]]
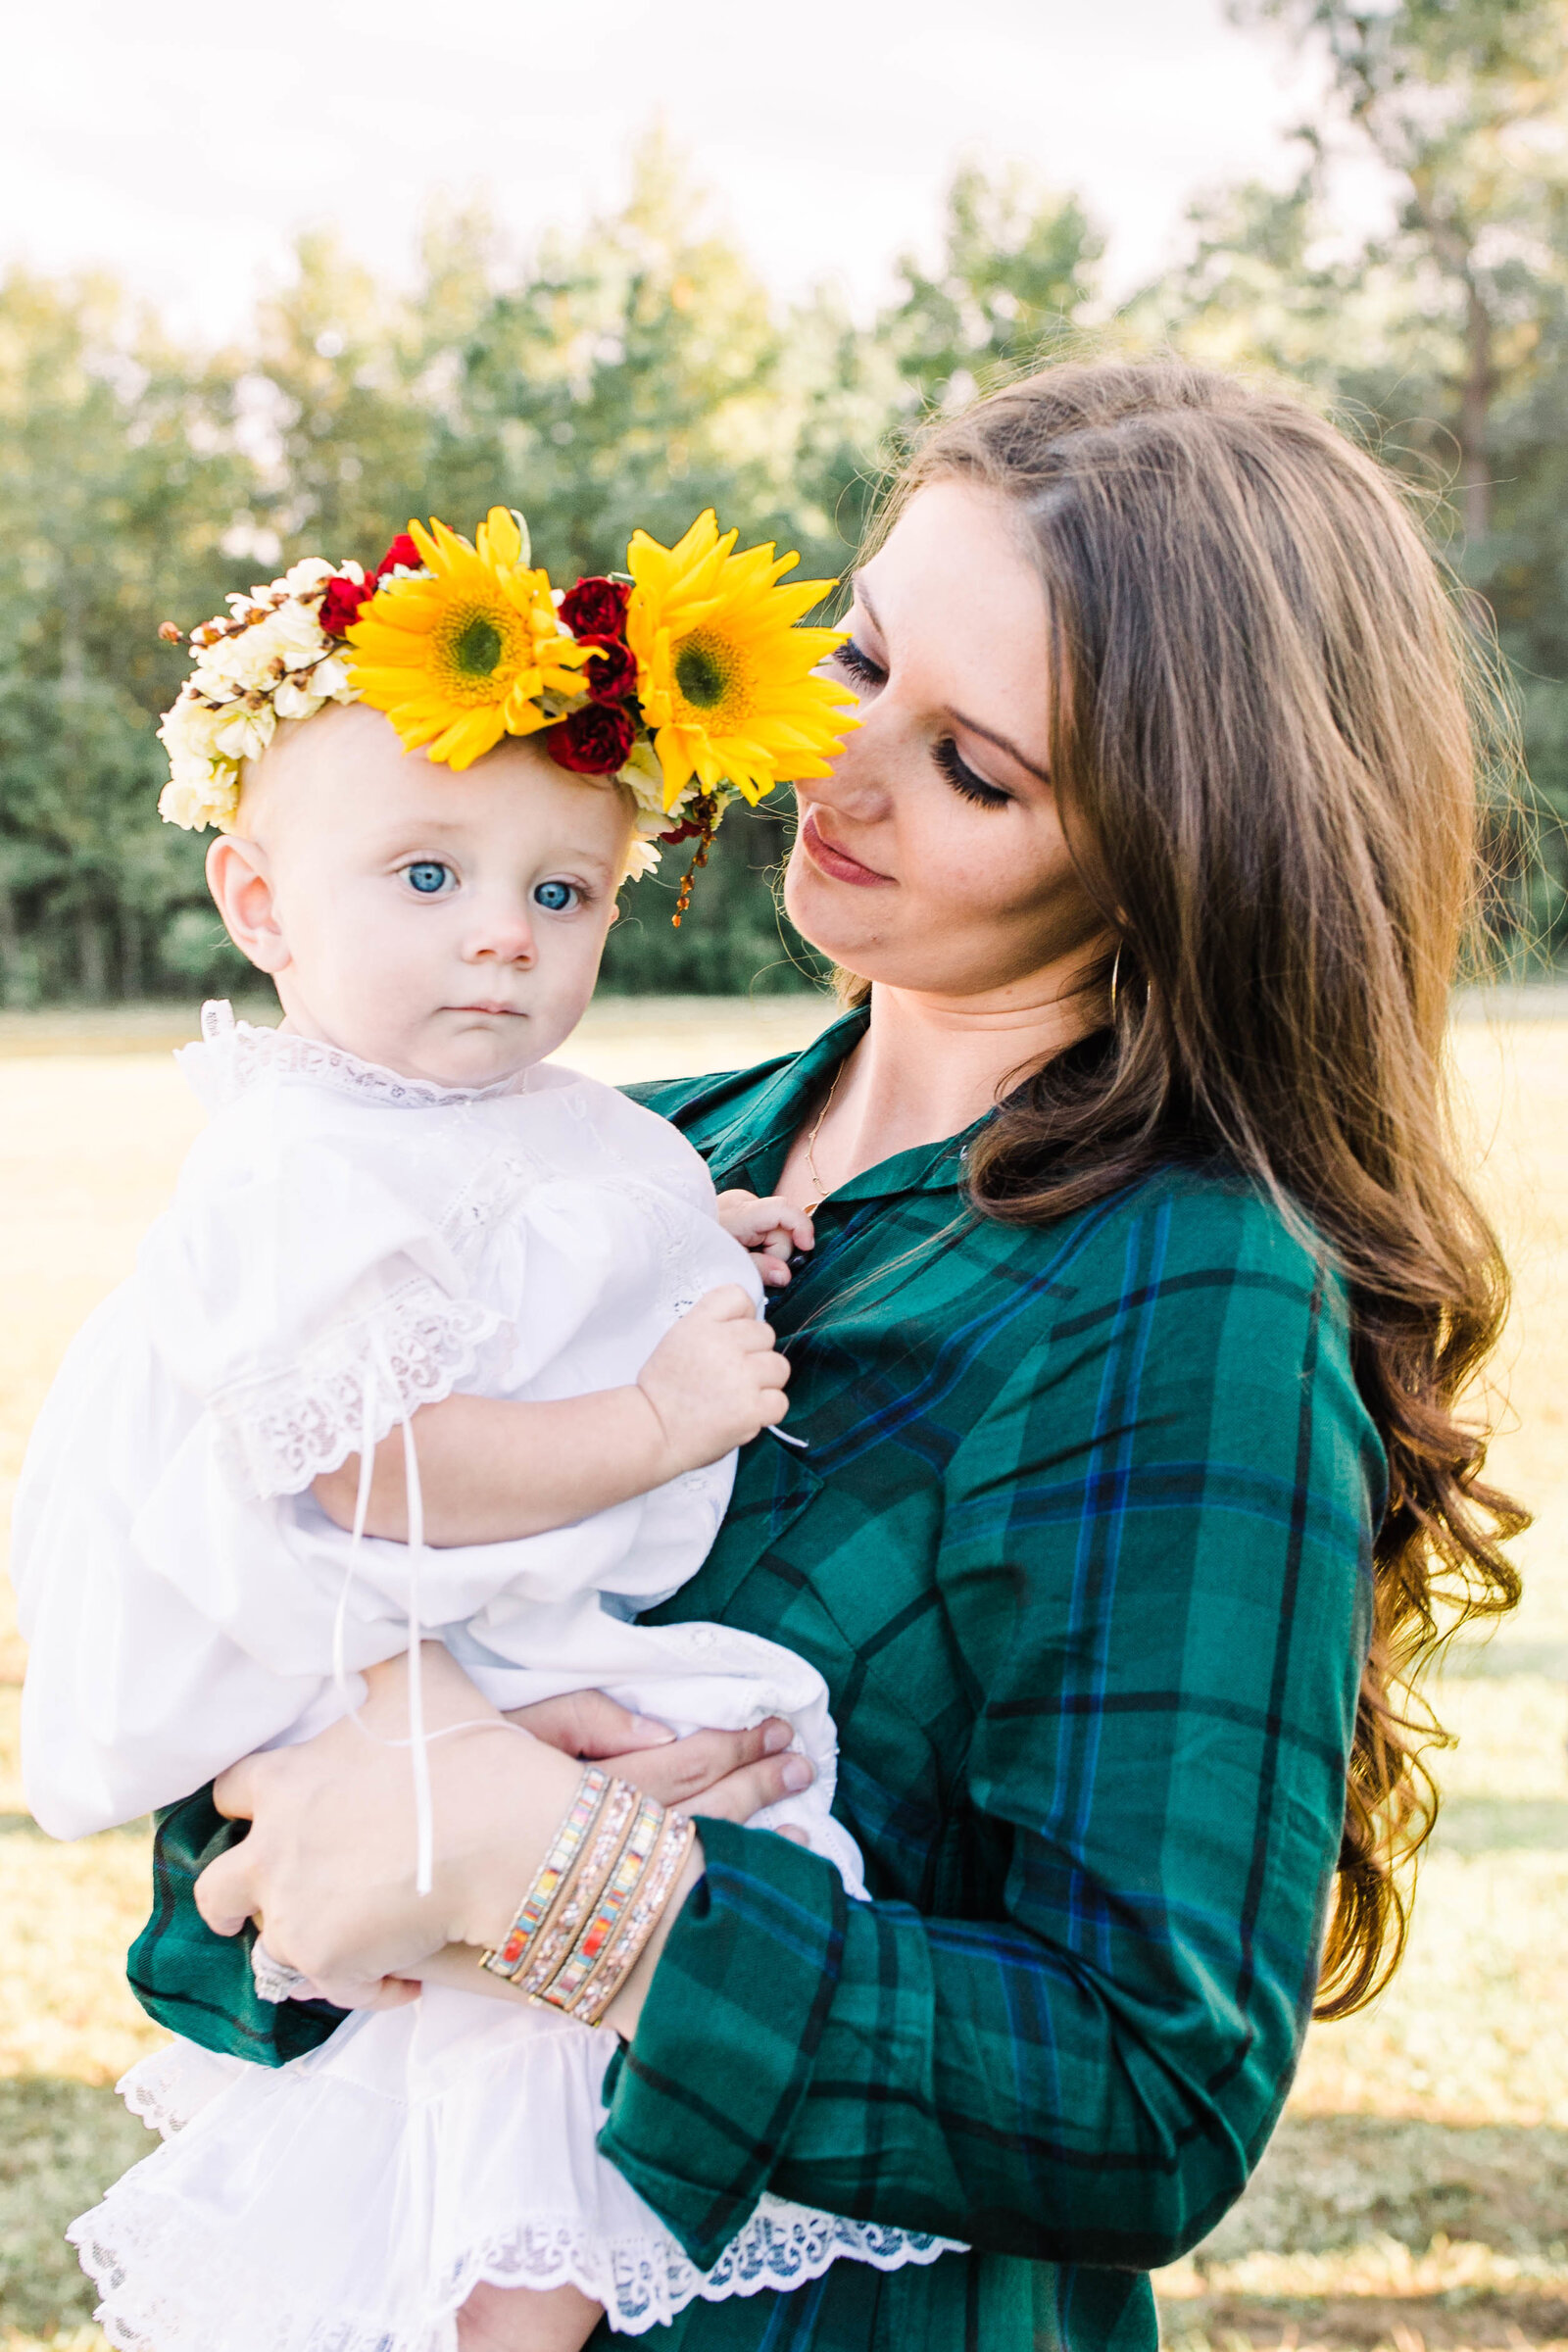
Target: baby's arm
[[769, 1229], [491, 1471]]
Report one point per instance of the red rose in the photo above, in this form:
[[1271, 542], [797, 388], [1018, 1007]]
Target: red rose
[[596, 608], [341, 602], [401, 552], [611, 674], [594, 741]]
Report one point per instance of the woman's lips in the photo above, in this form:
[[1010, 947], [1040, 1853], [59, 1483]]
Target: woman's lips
[[836, 862]]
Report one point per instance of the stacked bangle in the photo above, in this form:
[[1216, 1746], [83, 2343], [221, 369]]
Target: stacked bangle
[[595, 1899], [553, 1872]]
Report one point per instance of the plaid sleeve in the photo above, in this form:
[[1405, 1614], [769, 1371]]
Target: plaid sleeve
[[200, 1984], [1154, 1564]]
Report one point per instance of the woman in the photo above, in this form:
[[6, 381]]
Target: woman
[[1126, 1364]]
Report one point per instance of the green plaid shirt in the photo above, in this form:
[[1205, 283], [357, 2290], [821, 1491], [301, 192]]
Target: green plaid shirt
[[1081, 1544]]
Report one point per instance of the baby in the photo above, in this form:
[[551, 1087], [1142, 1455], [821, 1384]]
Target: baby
[[402, 1207]]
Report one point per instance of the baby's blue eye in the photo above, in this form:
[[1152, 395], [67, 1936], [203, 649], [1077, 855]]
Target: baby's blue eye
[[428, 877], [555, 897]]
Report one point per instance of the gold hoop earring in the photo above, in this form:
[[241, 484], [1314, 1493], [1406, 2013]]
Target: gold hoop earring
[[1115, 975]]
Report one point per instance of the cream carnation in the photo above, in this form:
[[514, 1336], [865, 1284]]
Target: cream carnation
[[252, 662], [308, 574], [644, 779], [196, 797], [248, 731], [190, 730]]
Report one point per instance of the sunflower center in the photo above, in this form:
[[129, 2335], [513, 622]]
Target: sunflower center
[[477, 647], [708, 672]]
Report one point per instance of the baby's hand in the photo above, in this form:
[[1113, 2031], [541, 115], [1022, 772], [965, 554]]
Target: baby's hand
[[769, 1229], [714, 1380]]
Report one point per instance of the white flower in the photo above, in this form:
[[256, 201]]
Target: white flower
[[195, 796], [294, 701], [641, 859], [330, 681], [289, 639], [644, 779], [307, 575], [190, 730], [248, 733]]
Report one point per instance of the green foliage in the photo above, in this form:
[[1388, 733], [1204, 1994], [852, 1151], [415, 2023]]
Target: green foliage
[[639, 371], [1017, 274], [1444, 340], [118, 480], [634, 375]]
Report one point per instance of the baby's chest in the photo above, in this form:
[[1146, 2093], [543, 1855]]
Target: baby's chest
[[587, 1267]]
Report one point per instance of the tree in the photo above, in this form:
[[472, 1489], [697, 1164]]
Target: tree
[[1018, 270], [119, 485], [629, 379], [1444, 341], [1464, 103]]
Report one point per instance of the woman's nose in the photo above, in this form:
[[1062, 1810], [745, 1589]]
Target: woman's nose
[[857, 784]]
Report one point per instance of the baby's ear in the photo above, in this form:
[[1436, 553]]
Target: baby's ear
[[242, 891]]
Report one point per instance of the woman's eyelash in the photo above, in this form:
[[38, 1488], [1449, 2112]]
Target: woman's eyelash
[[963, 779], [959, 774], [858, 663]]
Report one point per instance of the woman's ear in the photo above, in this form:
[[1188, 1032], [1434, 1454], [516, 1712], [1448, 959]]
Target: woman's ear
[[242, 892]]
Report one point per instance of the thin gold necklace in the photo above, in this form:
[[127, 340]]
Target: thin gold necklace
[[812, 1206]]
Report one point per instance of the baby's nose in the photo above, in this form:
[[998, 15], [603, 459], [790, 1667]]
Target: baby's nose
[[502, 939]]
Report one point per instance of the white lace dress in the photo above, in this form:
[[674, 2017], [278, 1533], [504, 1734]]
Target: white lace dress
[[345, 1246]]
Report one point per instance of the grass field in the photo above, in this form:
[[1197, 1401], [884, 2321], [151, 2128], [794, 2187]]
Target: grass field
[[1416, 2193]]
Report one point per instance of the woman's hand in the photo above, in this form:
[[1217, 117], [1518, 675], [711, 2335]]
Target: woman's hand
[[328, 1868], [730, 1775]]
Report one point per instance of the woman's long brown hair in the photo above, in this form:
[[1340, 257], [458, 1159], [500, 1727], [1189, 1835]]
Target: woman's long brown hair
[[1265, 754]]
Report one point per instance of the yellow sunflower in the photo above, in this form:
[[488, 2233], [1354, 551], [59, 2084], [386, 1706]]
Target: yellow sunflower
[[464, 657], [724, 676]]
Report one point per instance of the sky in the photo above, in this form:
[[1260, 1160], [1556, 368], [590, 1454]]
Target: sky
[[183, 148]]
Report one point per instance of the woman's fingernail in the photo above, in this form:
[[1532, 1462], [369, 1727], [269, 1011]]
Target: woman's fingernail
[[797, 1775], [776, 1736], [651, 1733]]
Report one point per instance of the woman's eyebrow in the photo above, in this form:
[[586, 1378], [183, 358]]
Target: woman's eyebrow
[[1003, 742]]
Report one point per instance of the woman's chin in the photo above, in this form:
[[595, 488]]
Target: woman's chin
[[831, 917]]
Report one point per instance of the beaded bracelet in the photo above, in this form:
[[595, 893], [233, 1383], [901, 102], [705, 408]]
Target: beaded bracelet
[[605, 1917], [509, 1955], [658, 1883], [556, 1939], [595, 1899]]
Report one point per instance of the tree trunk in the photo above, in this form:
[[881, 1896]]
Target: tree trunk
[[12, 991], [1475, 413], [91, 960], [130, 958]]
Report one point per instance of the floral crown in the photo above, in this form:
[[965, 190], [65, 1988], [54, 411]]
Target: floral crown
[[687, 679]]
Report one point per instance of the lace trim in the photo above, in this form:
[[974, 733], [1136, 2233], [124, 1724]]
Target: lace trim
[[234, 1055], [643, 2282], [279, 1434], [174, 2084]]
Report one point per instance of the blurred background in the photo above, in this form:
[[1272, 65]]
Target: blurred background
[[270, 282], [268, 290]]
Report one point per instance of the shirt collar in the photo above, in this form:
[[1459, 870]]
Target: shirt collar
[[753, 1149]]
